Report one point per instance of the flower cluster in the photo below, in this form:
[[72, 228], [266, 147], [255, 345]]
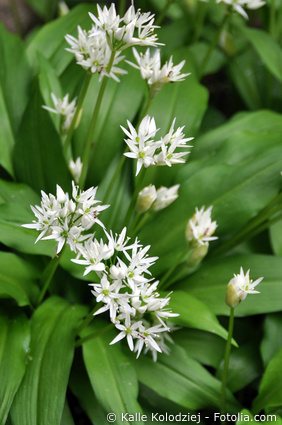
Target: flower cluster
[[66, 219], [127, 291], [151, 70], [99, 49], [156, 199], [168, 150], [239, 287], [64, 108], [239, 5]]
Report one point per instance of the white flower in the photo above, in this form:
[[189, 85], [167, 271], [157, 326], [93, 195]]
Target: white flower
[[200, 227], [135, 28], [239, 287], [146, 198], [65, 220], [152, 71], [239, 5], [165, 197], [148, 151], [129, 331], [93, 53], [93, 253], [75, 168], [64, 108], [170, 143]]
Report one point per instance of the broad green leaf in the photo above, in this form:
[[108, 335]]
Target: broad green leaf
[[50, 39], [67, 416], [267, 48], [14, 348], [270, 390], [15, 76], [272, 338], [209, 283], [41, 397], [180, 379], [237, 193], [196, 342], [194, 314], [38, 157], [18, 279], [15, 211], [112, 377]]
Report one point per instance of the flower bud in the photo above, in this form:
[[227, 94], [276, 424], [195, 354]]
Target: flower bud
[[146, 198], [165, 197]]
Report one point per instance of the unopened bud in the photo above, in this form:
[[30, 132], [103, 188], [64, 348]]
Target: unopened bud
[[197, 254], [165, 197], [239, 287], [146, 198]]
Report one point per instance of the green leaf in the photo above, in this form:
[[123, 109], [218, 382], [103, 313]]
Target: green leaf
[[112, 377], [267, 48], [180, 379], [15, 211], [18, 279], [41, 397], [50, 39], [270, 390], [6, 137], [209, 284], [194, 314], [195, 343], [67, 416], [272, 338], [38, 157], [14, 347]]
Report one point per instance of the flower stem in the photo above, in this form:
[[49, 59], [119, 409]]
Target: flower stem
[[226, 360], [89, 140], [213, 45], [272, 18], [200, 18], [81, 97], [48, 275]]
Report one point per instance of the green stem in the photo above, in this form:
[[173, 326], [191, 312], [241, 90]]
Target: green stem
[[89, 140], [182, 258], [226, 360], [48, 275], [92, 335], [121, 9], [81, 97], [163, 13], [200, 18], [113, 180], [213, 45]]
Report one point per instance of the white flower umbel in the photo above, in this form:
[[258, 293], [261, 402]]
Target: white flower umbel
[[169, 150], [165, 197], [75, 168], [127, 291], [64, 108], [156, 75], [66, 219], [133, 29], [146, 198], [92, 52], [200, 228], [239, 287], [240, 5]]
